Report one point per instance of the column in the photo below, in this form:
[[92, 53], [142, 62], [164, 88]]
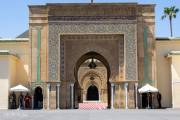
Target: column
[[112, 95], [44, 98], [72, 95], [84, 95], [58, 88], [126, 95], [99, 92], [32, 102], [148, 94], [136, 91], [48, 90], [141, 100]]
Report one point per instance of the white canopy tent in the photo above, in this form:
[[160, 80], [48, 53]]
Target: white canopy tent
[[147, 89], [19, 88]]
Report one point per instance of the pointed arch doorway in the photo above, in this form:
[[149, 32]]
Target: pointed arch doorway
[[92, 74], [38, 98]]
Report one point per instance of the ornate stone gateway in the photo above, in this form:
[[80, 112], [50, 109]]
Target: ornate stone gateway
[[85, 52], [92, 73]]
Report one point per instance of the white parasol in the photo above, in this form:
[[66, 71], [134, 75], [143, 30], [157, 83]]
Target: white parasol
[[19, 88], [147, 89]]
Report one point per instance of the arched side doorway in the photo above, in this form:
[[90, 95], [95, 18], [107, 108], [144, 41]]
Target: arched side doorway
[[38, 98], [92, 93], [77, 88]]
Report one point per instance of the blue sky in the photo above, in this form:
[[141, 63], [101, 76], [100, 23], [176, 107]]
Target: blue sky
[[14, 15]]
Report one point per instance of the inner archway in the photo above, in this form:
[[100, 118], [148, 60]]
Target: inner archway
[[92, 93], [92, 74]]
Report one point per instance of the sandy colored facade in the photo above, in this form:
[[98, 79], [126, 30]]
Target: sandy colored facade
[[14, 66], [64, 40], [167, 52], [75, 50]]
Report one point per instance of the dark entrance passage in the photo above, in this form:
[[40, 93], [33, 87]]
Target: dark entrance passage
[[92, 93], [38, 98], [144, 100]]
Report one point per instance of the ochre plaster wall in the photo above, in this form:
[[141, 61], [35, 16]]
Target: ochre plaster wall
[[175, 75], [4, 82], [164, 83]]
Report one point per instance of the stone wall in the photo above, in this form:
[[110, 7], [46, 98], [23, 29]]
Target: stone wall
[[59, 55]]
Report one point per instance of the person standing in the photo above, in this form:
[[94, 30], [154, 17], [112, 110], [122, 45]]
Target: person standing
[[21, 101], [27, 100], [159, 99], [150, 100], [13, 100]]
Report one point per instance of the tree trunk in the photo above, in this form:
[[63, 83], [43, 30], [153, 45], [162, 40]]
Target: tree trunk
[[170, 20]]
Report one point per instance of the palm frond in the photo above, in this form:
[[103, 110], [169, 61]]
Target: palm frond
[[176, 10], [163, 17], [170, 12]]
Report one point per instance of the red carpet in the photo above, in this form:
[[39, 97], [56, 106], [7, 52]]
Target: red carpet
[[93, 105]]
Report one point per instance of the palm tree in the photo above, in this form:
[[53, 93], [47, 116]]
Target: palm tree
[[170, 12]]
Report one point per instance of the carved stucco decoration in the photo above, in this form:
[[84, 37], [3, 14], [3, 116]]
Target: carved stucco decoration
[[57, 29]]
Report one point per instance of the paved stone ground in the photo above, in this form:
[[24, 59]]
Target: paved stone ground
[[166, 114]]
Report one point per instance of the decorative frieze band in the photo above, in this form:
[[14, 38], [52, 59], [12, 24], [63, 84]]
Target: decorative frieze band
[[90, 18]]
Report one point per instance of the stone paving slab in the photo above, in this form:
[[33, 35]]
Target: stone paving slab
[[167, 114]]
